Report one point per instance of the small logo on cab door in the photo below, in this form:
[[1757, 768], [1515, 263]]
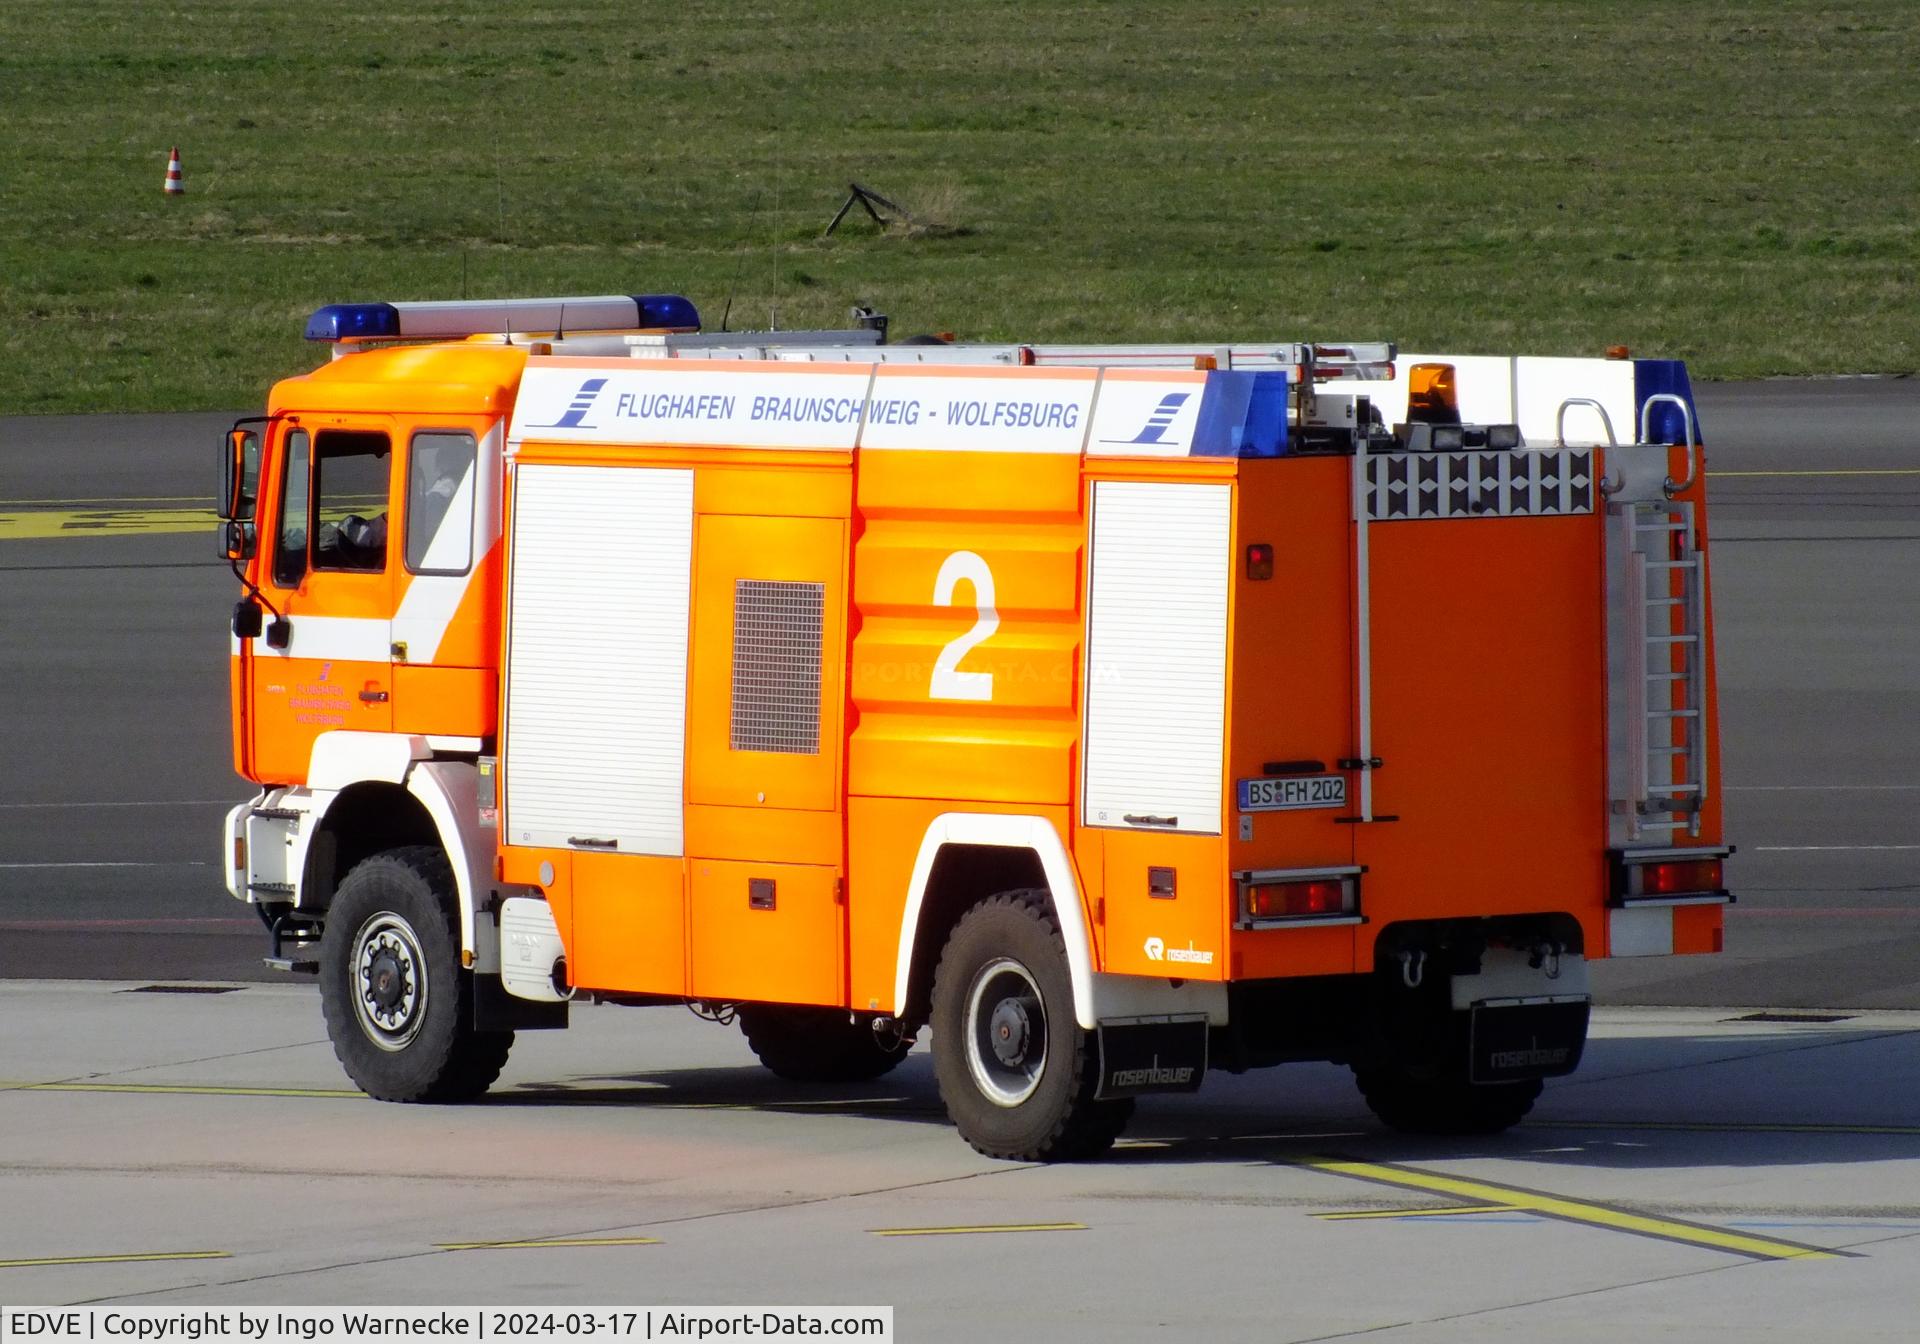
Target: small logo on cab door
[[1156, 949]]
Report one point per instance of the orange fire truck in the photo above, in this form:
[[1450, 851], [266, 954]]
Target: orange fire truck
[[1116, 712]]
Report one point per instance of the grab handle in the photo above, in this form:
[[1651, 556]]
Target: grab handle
[[1608, 485], [1686, 423]]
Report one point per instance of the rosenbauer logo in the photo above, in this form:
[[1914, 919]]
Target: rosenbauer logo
[[1152, 1076], [1157, 950], [576, 416]]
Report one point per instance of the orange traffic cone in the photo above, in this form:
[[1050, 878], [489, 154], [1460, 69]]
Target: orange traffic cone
[[175, 187]]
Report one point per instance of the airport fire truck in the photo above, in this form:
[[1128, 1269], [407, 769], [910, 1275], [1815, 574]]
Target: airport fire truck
[[1113, 713]]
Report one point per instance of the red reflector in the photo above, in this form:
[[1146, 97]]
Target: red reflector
[[1670, 879], [1025, 355], [1260, 560], [1325, 896]]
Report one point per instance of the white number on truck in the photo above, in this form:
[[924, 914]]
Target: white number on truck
[[949, 682]]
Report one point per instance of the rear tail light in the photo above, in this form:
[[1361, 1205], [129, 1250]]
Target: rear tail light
[[1672, 879], [1282, 899], [1671, 876], [1288, 897]]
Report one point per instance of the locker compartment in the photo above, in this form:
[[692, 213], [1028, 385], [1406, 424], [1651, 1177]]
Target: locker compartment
[[767, 931], [629, 924]]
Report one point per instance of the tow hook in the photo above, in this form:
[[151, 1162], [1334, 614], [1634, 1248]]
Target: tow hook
[[890, 1033], [1413, 965], [1547, 955]]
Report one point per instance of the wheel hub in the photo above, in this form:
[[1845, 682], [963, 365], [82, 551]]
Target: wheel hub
[[1005, 1032], [387, 982], [1010, 1031], [389, 990]]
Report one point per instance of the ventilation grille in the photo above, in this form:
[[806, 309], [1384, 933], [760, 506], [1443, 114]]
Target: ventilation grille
[[776, 666]]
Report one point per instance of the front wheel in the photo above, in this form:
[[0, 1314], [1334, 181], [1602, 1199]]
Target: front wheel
[[398, 1004], [1016, 1071]]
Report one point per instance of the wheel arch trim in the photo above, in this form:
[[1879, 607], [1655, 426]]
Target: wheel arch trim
[[446, 790], [469, 845], [1009, 831]]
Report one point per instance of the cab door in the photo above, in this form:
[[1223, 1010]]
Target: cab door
[[328, 568]]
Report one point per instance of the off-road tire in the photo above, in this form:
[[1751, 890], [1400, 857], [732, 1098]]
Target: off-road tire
[[1443, 1102], [394, 921], [1014, 940], [817, 1045]]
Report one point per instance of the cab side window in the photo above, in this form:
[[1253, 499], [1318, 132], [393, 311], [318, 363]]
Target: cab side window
[[440, 502], [351, 482], [290, 546]]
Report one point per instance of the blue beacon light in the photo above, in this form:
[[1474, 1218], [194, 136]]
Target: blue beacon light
[[354, 322]]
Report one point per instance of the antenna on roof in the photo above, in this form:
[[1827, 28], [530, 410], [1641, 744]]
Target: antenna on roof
[[739, 259], [560, 327]]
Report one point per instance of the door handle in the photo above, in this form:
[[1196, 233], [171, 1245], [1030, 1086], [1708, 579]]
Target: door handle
[[373, 697]]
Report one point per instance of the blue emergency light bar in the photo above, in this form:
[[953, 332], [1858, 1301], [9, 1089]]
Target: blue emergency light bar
[[454, 318]]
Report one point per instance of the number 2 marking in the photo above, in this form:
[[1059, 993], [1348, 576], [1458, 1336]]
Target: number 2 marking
[[949, 682]]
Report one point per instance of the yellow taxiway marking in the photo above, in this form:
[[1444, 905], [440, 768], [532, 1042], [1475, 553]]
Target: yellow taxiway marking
[[120, 501], [1828, 471], [1420, 1213], [558, 1242], [115, 1259], [186, 1090], [1573, 1210], [40, 524], [963, 1231]]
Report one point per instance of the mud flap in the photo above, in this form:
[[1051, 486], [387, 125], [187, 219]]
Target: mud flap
[[496, 1010], [1510, 1043], [1162, 1054]]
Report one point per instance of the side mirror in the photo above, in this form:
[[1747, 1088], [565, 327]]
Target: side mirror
[[246, 620], [236, 541], [239, 475]]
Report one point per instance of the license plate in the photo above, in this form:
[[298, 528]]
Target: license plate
[[1282, 793]]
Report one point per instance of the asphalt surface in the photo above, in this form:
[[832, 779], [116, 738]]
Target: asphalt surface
[[1700, 1178], [114, 741]]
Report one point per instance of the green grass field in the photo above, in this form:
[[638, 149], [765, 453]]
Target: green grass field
[[1735, 183]]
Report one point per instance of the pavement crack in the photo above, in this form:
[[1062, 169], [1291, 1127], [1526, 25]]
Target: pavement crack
[[401, 1257], [1577, 1294], [203, 1059], [1564, 1084]]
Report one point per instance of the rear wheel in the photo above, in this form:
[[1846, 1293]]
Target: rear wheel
[[818, 1045], [1016, 1071], [1416, 1101], [398, 1003]]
